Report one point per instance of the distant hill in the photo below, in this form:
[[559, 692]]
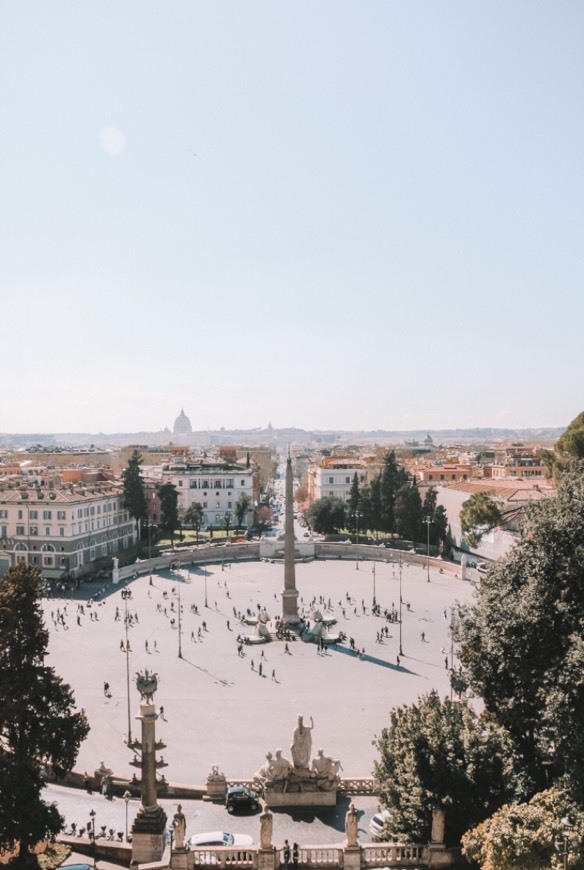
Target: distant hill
[[282, 437]]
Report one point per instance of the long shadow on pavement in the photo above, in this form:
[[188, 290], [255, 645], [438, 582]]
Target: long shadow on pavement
[[372, 659]]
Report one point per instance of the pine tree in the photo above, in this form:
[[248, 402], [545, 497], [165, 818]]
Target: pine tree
[[38, 723], [135, 500]]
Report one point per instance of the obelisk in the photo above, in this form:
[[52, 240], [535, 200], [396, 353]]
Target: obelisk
[[290, 593]]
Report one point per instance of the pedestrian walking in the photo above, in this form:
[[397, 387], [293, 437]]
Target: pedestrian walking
[[274, 676], [146, 646], [423, 636], [252, 665], [398, 660], [446, 662], [295, 854], [260, 669], [162, 713]]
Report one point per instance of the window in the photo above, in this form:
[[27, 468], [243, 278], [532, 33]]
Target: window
[[47, 530], [193, 484], [204, 504], [229, 504], [62, 531], [33, 530], [20, 530], [217, 484], [180, 483], [347, 480], [47, 515], [48, 560], [19, 515], [3, 515], [92, 511], [243, 482], [4, 531], [34, 515], [331, 480]]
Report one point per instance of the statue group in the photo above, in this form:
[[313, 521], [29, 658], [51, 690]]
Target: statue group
[[320, 773]]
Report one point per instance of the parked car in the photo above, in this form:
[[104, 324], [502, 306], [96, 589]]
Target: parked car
[[220, 838], [378, 822], [239, 797]]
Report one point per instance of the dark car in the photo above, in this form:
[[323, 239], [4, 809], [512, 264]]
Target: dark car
[[241, 798]]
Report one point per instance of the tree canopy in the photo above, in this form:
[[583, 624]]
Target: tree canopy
[[135, 500], [479, 514], [441, 755], [194, 516], [522, 836], [242, 507], [39, 726], [521, 644], [169, 519], [327, 515]]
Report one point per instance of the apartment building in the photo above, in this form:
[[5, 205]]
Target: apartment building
[[217, 485], [333, 476], [63, 529]]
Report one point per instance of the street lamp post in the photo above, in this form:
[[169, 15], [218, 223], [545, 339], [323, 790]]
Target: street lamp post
[[179, 623], [126, 797], [205, 578], [428, 521], [564, 846], [401, 652], [374, 599], [92, 823], [125, 595]]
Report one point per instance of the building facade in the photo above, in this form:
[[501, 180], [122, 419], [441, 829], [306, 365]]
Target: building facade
[[63, 530], [333, 476], [217, 485]]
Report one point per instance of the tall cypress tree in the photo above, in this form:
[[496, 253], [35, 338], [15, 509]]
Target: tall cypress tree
[[38, 722], [135, 500]]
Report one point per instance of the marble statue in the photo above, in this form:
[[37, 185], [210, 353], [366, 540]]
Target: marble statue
[[180, 828], [302, 744], [266, 824], [351, 825], [325, 767]]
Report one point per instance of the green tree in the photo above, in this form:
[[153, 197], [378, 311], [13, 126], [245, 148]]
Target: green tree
[[408, 511], [242, 506], [521, 836], [375, 505], [169, 519], [134, 499], [438, 517], [327, 515], [194, 516], [39, 726], [393, 477], [354, 496], [440, 755], [570, 445], [521, 642], [479, 514]]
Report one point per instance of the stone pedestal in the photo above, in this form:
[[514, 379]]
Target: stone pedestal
[[216, 784], [438, 856], [352, 857], [300, 798], [181, 859], [267, 859], [148, 835]]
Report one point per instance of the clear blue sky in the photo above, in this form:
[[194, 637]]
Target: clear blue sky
[[348, 214]]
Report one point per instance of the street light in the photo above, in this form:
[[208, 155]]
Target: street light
[[565, 846], [126, 593], [357, 516], [126, 797], [428, 521], [374, 601], [179, 622], [401, 652], [92, 824]]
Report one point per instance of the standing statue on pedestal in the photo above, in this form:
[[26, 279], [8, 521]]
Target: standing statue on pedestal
[[180, 828], [302, 744], [351, 825]]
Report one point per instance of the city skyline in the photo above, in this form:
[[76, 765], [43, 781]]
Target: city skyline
[[364, 216]]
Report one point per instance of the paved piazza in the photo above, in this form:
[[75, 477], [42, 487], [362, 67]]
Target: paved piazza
[[217, 709]]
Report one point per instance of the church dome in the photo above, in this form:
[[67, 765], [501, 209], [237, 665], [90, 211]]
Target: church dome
[[182, 424]]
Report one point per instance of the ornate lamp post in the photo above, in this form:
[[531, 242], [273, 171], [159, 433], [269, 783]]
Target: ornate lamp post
[[126, 593], [401, 652], [92, 824], [565, 845], [374, 599], [428, 521], [126, 797]]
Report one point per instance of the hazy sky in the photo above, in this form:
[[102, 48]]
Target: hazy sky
[[348, 214]]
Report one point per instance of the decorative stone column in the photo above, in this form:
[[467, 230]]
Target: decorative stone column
[[149, 828]]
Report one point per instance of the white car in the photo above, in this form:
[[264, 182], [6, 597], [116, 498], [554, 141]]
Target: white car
[[377, 823], [220, 838]]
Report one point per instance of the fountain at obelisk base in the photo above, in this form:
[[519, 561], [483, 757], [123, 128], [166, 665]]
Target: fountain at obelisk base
[[149, 828], [290, 593]]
